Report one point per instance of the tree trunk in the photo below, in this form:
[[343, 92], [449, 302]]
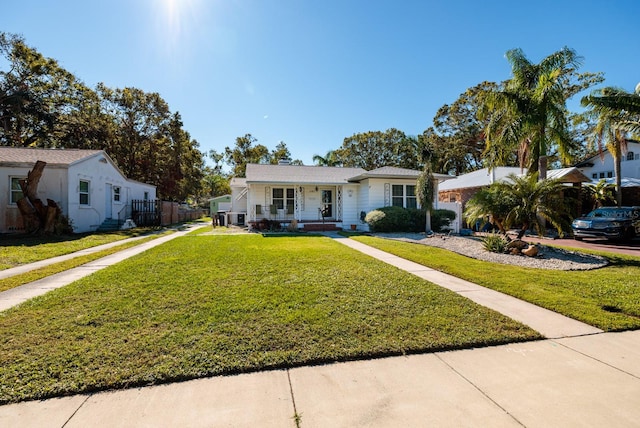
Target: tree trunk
[[542, 168], [428, 221], [36, 216]]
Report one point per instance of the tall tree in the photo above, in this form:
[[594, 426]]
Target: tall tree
[[243, 153], [529, 114], [457, 136], [615, 112], [375, 149], [34, 92]]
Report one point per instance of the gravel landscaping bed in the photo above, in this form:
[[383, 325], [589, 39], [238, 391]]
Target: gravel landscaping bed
[[548, 257]]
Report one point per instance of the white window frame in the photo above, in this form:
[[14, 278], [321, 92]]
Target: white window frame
[[287, 200], [13, 193], [117, 192], [402, 199], [87, 193]]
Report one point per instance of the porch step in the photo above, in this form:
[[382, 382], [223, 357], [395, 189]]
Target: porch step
[[109, 225], [319, 227]]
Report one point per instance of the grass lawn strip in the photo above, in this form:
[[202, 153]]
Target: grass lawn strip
[[16, 251], [34, 275], [607, 298], [208, 305]]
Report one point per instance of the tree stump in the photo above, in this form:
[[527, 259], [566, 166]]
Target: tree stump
[[37, 217]]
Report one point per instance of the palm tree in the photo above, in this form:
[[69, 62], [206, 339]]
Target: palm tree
[[522, 201], [529, 112], [330, 159], [617, 112], [600, 193], [536, 203]]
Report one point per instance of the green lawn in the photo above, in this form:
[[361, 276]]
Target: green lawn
[[607, 298], [36, 274], [19, 250], [208, 305]]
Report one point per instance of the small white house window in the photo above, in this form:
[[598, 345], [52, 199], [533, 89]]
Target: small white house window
[[594, 175], [404, 196], [602, 175], [16, 190], [116, 193], [84, 192], [630, 156], [609, 174], [146, 196]]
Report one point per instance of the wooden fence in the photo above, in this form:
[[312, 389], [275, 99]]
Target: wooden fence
[[161, 213]]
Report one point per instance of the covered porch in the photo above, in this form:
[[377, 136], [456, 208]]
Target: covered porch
[[304, 203]]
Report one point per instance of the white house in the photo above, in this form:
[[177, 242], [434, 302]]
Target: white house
[[597, 167], [318, 194], [86, 185]]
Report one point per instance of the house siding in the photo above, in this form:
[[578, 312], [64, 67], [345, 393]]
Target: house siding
[[60, 183]]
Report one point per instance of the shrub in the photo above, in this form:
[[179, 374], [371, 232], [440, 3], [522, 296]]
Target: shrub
[[495, 243], [388, 219], [397, 219]]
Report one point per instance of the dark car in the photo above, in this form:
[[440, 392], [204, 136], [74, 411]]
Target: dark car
[[608, 222]]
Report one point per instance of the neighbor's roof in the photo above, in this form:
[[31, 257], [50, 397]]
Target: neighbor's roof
[[624, 182], [300, 174], [394, 172], [568, 175], [480, 178], [53, 157]]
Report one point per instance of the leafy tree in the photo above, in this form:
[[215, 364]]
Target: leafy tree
[[528, 113], [616, 112], [375, 149], [457, 137], [280, 153], [243, 153], [34, 91]]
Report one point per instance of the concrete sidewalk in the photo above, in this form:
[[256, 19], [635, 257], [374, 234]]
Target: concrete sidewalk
[[576, 379], [589, 381]]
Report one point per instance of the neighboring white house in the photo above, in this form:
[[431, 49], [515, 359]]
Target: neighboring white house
[[86, 184], [597, 167], [315, 194]]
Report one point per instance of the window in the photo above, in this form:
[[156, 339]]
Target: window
[[404, 196], [146, 196], [412, 201], [630, 156], [609, 174], [397, 195], [594, 175], [602, 175], [283, 198], [84, 192], [16, 190], [116, 193]]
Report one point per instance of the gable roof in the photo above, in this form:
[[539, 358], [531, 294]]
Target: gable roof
[[20, 156], [299, 174], [480, 178], [568, 175], [395, 172]]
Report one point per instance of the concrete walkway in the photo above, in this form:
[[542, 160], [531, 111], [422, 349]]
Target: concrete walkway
[[577, 379]]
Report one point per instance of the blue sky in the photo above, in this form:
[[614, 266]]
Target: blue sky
[[311, 73]]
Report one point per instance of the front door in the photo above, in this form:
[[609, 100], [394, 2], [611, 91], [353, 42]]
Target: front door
[[108, 213], [327, 203]]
